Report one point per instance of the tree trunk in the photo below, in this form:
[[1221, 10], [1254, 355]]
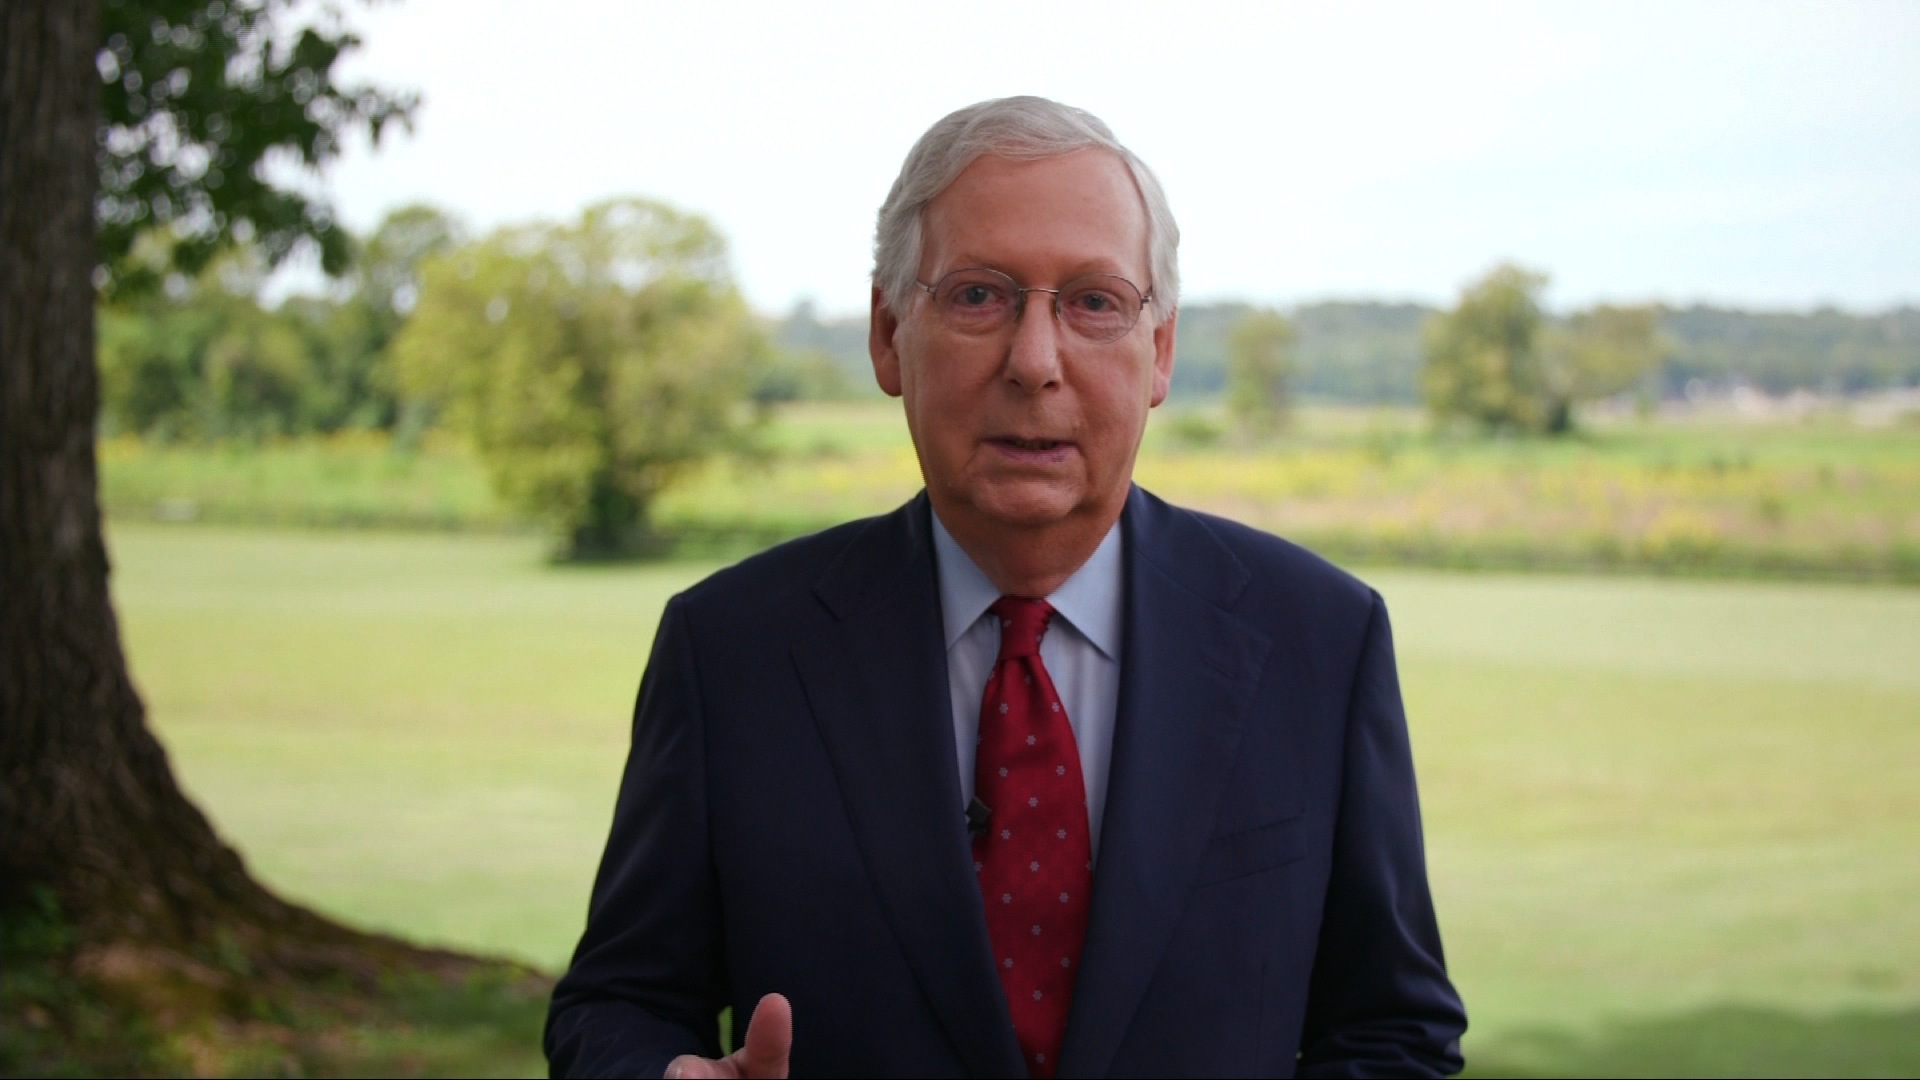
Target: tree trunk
[[89, 810], [1559, 416], [616, 525]]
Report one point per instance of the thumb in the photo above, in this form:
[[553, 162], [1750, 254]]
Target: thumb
[[690, 1067], [763, 1053]]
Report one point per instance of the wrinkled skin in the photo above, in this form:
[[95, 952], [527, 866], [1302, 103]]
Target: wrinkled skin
[[1027, 438]]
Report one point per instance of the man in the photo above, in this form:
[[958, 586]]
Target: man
[[1036, 775]]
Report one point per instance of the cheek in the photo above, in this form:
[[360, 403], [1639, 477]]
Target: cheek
[[936, 414], [1121, 400], [945, 390]]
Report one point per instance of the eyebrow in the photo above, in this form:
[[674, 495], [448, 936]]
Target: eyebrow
[[1099, 265]]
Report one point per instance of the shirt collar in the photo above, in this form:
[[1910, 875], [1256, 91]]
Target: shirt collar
[[1090, 599]]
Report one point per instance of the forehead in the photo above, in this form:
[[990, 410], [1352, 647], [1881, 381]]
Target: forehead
[[1069, 213]]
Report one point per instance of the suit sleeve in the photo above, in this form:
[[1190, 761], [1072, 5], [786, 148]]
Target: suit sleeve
[[1379, 1003], [647, 980]]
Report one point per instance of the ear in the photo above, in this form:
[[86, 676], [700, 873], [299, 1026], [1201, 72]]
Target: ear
[[1163, 357], [881, 328]]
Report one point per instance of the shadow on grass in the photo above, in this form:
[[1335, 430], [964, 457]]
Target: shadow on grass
[[1724, 1040], [686, 543], [486, 1023], [480, 1026]]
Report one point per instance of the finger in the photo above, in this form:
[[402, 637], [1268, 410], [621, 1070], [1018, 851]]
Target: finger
[[689, 1067], [763, 1053]]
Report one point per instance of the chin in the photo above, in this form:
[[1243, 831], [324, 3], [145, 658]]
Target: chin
[[1026, 506]]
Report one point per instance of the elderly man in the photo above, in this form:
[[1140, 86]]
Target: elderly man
[[1036, 775]]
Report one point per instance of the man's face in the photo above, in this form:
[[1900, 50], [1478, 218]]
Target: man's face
[[1032, 426]]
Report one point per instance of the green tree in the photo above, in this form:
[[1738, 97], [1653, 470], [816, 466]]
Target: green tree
[[1483, 361], [259, 376], [1499, 361], [151, 353], [197, 98], [1600, 352], [591, 364], [203, 359], [383, 285], [1260, 367]]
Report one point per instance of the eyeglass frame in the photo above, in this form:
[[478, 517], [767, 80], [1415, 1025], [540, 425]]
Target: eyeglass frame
[[1020, 296]]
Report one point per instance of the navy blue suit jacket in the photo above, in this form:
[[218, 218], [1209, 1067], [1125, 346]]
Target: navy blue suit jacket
[[790, 820]]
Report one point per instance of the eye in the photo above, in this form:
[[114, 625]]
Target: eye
[[1100, 307], [974, 295], [1100, 302], [1094, 301], [975, 298]]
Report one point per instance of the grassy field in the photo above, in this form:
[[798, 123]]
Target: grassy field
[[1815, 500], [1672, 825]]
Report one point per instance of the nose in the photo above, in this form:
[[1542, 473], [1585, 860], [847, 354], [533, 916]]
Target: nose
[[1033, 355]]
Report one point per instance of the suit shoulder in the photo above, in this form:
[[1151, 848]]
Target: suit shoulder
[[785, 570], [1276, 561]]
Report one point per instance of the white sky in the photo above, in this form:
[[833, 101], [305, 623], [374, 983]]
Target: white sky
[[1750, 153]]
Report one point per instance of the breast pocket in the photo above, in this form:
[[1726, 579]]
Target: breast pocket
[[1252, 851]]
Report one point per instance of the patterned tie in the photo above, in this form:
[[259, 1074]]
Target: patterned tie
[[1034, 859]]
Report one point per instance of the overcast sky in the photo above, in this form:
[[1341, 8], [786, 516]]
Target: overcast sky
[[1745, 153]]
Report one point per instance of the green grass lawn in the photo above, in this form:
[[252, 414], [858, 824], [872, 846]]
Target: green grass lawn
[[1672, 825]]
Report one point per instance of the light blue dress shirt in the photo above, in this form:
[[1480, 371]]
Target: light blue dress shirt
[[1081, 651]]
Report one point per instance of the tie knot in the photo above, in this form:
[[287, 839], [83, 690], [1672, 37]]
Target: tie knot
[[1023, 620]]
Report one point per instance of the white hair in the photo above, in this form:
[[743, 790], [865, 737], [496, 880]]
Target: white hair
[[1022, 128]]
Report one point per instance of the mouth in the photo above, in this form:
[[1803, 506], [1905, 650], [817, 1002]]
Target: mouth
[[1030, 445], [1030, 451]]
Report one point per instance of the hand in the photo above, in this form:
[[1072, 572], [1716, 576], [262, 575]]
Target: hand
[[763, 1053]]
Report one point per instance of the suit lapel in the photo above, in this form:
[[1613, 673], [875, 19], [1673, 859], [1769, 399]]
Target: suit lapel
[[1189, 668], [876, 682]]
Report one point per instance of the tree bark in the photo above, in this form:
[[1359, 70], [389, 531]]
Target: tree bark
[[89, 808]]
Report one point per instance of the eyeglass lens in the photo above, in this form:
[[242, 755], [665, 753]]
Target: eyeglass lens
[[1097, 307]]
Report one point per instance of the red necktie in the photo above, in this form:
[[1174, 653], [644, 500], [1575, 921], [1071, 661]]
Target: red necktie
[[1034, 859]]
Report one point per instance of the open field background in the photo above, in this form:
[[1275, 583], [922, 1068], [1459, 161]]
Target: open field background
[[1822, 499], [1662, 650], [1672, 824]]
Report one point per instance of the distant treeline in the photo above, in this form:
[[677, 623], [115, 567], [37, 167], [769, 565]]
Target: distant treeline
[[203, 358], [1370, 352]]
